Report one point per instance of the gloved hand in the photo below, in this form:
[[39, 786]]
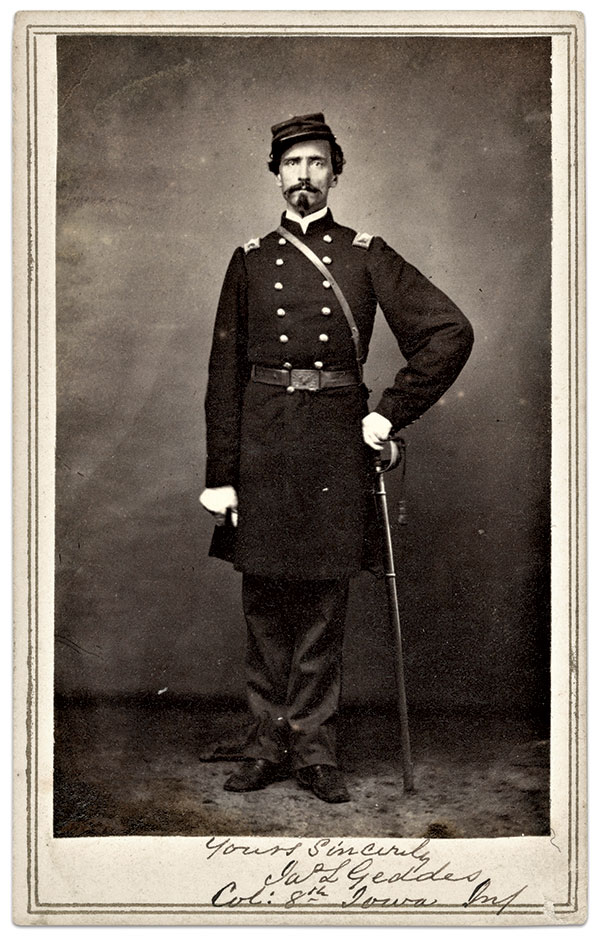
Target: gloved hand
[[217, 500], [375, 430]]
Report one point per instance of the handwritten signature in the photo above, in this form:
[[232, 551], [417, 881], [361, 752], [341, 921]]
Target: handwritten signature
[[358, 872]]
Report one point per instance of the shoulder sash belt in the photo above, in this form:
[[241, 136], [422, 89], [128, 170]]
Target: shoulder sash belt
[[290, 237]]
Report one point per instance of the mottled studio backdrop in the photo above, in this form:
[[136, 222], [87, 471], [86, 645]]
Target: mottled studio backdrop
[[161, 173]]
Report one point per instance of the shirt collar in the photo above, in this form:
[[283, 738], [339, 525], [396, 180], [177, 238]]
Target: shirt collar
[[289, 216]]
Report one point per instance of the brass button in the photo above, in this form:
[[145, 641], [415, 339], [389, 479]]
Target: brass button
[[287, 365], [282, 241], [318, 364], [326, 259], [323, 337], [278, 286], [280, 312], [327, 238], [290, 389], [325, 284], [279, 261], [283, 338], [326, 311]]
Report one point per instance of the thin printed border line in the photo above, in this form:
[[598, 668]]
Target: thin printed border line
[[36, 432], [575, 502], [375, 31], [35, 906], [281, 910], [29, 486]]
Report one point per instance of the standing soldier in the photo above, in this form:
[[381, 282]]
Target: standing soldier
[[290, 443]]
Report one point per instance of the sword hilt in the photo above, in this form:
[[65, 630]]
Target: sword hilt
[[382, 465], [397, 457]]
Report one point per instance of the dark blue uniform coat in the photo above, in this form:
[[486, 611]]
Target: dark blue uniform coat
[[298, 462]]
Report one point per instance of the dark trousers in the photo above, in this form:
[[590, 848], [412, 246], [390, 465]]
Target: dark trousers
[[294, 667]]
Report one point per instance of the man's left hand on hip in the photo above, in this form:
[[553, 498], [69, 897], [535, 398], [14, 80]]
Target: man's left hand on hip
[[376, 430]]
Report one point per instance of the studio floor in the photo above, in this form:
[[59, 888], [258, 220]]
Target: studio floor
[[135, 768]]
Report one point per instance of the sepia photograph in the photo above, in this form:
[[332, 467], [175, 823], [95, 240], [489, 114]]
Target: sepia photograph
[[300, 496]]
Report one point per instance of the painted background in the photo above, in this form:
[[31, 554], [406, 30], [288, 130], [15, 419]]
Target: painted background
[[163, 143]]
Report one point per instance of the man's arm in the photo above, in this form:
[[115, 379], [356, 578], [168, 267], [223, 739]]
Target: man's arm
[[228, 373], [433, 335]]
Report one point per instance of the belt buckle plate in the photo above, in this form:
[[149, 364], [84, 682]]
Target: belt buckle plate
[[306, 379]]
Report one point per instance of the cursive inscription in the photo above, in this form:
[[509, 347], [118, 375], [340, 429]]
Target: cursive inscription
[[229, 847], [341, 873], [478, 896]]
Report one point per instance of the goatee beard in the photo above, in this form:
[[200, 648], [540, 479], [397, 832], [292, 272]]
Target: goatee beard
[[303, 205]]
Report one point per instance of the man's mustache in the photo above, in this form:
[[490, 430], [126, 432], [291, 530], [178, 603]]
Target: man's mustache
[[302, 188]]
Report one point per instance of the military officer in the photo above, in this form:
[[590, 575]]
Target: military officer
[[291, 443]]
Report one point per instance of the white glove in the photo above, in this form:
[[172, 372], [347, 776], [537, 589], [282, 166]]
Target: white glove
[[217, 500], [376, 430]]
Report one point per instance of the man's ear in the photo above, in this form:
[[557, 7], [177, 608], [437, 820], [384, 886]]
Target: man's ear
[[278, 178], [333, 182]]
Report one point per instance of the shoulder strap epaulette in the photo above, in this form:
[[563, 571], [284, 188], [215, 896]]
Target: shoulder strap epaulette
[[362, 240], [252, 244]]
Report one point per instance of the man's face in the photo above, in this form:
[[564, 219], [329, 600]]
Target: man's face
[[306, 175]]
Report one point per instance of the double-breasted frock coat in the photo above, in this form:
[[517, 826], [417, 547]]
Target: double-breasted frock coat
[[297, 460]]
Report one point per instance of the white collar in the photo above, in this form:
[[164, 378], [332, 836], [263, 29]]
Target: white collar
[[304, 221]]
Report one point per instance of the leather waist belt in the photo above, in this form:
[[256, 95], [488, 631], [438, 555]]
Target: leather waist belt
[[309, 380]]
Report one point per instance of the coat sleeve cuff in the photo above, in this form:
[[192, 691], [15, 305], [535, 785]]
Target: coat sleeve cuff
[[384, 409], [220, 476]]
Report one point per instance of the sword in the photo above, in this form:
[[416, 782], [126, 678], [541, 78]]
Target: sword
[[397, 456]]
